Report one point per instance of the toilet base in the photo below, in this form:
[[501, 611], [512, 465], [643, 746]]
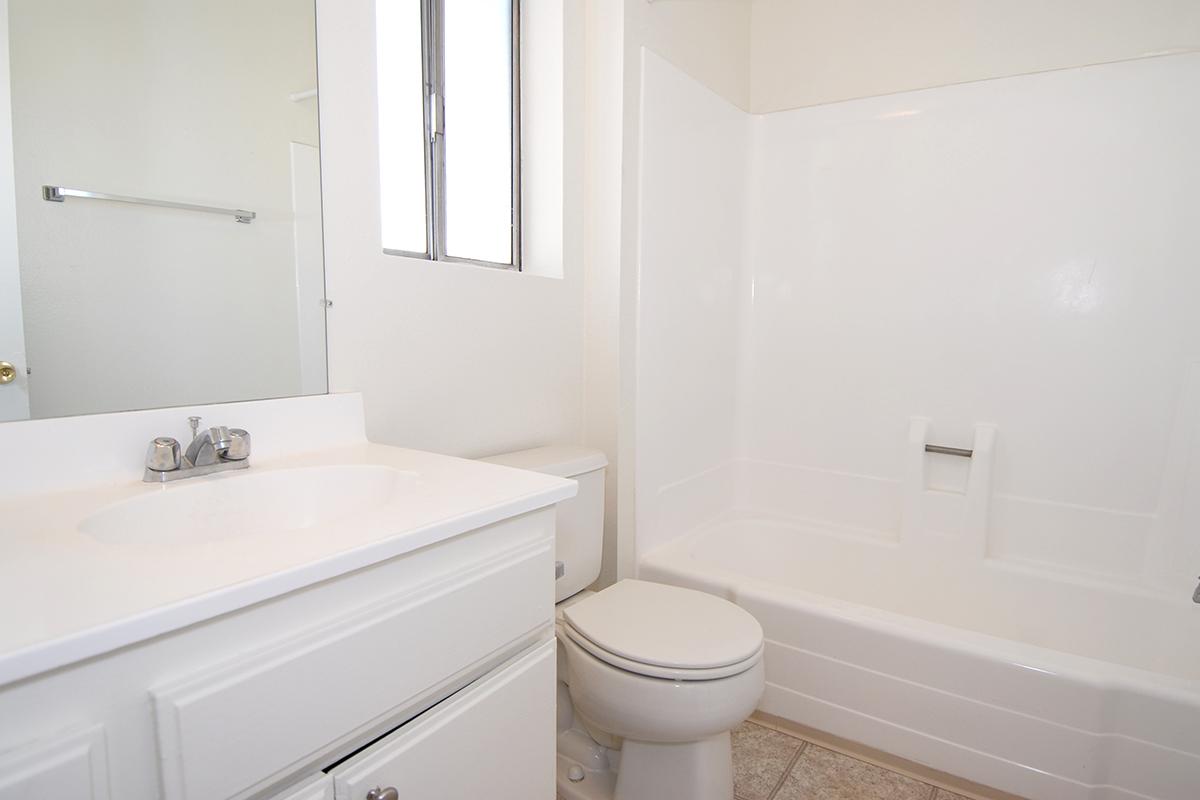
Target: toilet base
[[651, 771], [691, 771]]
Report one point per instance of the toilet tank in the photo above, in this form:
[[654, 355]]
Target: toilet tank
[[579, 535]]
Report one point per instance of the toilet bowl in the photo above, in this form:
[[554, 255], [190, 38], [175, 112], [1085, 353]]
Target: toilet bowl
[[652, 678], [660, 675]]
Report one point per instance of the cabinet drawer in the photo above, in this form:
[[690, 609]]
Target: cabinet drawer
[[229, 731], [494, 739]]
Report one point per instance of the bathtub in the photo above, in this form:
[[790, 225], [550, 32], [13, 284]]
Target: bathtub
[[1041, 684]]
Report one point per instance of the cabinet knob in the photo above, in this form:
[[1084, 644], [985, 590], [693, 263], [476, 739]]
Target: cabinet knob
[[389, 793]]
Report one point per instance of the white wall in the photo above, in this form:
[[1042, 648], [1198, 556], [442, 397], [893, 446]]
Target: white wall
[[692, 200], [164, 100], [806, 52], [449, 357]]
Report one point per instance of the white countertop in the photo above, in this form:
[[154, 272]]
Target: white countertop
[[66, 596]]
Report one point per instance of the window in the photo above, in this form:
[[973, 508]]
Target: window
[[449, 130]]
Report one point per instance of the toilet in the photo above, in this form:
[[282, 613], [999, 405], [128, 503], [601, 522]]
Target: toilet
[[651, 677]]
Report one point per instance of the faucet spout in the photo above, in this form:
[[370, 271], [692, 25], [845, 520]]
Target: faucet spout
[[208, 446]]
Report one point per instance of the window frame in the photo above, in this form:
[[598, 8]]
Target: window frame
[[433, 76]]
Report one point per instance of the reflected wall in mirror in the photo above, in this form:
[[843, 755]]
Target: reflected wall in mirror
[[108, 305]]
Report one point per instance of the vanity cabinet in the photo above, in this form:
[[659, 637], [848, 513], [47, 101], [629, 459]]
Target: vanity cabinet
[[432, 672]]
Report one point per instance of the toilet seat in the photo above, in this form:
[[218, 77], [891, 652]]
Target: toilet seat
[[662, 631], [654, 671]]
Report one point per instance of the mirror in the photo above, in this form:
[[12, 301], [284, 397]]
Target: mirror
[[160, 204]]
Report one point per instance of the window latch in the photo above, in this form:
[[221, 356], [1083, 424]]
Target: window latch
[[437, 115]]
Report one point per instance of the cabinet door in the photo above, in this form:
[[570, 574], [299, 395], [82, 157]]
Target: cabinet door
[[494, 739], [73, 765], [318, 787]]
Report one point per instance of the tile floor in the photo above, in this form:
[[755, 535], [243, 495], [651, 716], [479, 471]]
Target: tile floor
[[770, 765]]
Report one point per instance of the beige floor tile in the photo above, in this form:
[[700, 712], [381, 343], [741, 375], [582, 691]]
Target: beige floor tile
[[760, 757], [942, 794], [821, 774]]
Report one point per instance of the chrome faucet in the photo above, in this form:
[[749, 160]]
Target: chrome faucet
[[212, 450]]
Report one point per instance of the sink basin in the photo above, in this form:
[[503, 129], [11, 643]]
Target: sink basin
[[237, 505]]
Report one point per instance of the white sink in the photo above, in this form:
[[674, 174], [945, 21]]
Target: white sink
[[244, 504]]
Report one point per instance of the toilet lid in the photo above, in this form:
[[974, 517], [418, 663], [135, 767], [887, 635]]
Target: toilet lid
[[666, 626]]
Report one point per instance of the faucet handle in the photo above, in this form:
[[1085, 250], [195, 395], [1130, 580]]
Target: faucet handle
[[163, 454], [238, 447]]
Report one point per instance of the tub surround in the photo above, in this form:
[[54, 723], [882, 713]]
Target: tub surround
[[1012, 252], [1008, 253], [1002, 267]]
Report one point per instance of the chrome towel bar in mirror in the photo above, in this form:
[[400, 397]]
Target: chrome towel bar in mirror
[[58, 194]]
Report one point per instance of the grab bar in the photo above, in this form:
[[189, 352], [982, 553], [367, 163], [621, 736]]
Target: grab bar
[[57, 194], [949, 451]]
